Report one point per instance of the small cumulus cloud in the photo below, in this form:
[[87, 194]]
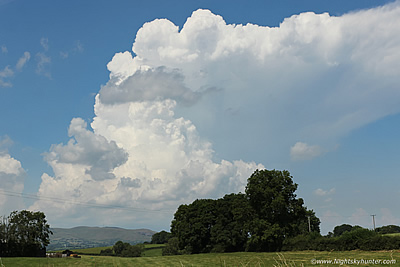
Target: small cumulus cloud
[[8, 72], [5, 142], [302, 151], [22, 61], [4, 49], [4, 74], [320, 192], [64, 55], [78, 47], [43, 63], [44, 42]]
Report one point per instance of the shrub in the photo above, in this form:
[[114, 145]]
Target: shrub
[[107, 252], [171, 248]]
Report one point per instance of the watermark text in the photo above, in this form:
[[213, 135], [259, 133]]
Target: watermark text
[[354, 262]]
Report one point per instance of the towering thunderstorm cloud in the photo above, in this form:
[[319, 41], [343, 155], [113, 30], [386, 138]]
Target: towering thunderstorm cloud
[[301, 86]]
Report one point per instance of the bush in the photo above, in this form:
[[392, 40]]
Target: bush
[[132, 251], [309, 241], [354, 239], [127, 250], [380, 242], [358, 238], [107, 252], [388, 229], [172, 247], [161, 237]]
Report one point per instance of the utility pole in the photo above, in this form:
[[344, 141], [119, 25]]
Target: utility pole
[[373, 220], [309, 224]]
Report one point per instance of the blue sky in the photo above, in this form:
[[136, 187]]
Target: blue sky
[[307, 86]]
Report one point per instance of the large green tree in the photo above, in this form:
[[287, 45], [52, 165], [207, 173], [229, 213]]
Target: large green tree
[[25, 233], [231, 229], [192, 225], [161, 237], [259, 220], [340, 229], [209, 225], [278, 214]]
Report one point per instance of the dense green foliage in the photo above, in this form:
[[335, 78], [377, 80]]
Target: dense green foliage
[[107, 252], [259, 220], [388, 229], [24, 233], [278, 214], [171, 248], [340, 229], [357, 238], [122, 249], [161, 237]]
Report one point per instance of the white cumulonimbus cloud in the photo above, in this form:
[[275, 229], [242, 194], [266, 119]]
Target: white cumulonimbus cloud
[[313, 78], [12, 177]]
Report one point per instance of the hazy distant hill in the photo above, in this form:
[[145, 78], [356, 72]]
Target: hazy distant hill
[[86, 237]]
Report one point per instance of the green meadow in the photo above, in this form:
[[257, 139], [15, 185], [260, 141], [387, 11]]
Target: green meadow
[[151, 250], [291, 259]]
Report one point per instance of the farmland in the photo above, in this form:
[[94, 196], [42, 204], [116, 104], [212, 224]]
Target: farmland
[[151, 250], [293, 259]]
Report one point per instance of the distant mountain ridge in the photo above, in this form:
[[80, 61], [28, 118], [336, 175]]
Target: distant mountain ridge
[[86, 237]]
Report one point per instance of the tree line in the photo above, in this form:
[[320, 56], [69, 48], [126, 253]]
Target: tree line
[[24, 234], [347, 237], [258, 220], [267, 217]]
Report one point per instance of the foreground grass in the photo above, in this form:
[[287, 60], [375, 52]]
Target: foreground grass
[[292, 259]]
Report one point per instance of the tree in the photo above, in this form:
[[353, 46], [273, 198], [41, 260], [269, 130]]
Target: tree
[[388, 229], [132, 251], [106, 252], [277, 213], [119, 246], [230, 231], [259, 220], [312, 224], [340, 229], [127, 250], [160, 237], [25, 233], [192, 226], [212, 225], [171, 248]]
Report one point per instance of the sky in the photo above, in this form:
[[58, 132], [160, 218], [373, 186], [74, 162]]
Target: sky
[[114, 113]]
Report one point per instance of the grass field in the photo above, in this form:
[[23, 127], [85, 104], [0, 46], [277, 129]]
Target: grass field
[[394, 234], [151, 250], [241, 259]]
